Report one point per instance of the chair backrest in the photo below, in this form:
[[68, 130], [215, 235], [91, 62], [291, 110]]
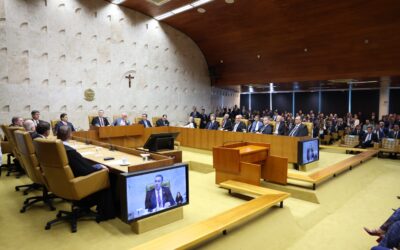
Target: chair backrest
[[197, 121], [9, 132], [351, 140], [246, 122], [138, 119], [154, 120], [54, 163], [390, 143], [150, 187], [310, 127], [24, 143], [219, 120], [53, 124], [90, 119], [273, 124]]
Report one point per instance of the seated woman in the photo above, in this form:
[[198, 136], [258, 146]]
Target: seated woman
[[191, 123], [63, 122], [388, 233], [80, 166]]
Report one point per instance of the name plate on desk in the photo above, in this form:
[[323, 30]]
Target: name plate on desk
[[121, 131]]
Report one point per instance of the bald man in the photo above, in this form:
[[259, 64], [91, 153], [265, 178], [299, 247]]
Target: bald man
[[30, 127], [122, 121], [299, 129]]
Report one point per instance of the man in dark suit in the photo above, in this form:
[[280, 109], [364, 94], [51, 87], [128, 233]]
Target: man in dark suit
[[63, 122], [203, 118], [256, 125], [266, 129], [160, 197], [212, 124], [80, 166], [194, 113], [35, 117], [368, 139], [146, 123], [100, 120], [42, 130], [299, 129], [395, 133], [358, 131], [17, 121], [226, 123], [162, 122], [279, 126], [239, 126]]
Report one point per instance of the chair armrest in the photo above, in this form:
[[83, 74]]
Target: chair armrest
[[89, 184]]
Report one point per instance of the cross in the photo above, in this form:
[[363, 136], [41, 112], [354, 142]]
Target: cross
[[130, 78]]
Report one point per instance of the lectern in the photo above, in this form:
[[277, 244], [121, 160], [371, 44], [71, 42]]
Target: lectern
[[248, 162]]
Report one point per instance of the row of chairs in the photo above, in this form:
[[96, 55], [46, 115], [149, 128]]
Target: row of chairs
[[387, 145], [46, 164]]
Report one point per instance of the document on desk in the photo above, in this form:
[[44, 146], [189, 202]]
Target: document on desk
[[88, 153]]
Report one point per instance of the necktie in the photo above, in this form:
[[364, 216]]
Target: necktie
[[159, 199], [101, 122], [395, 135], [294, 130], [368, 137], [236, 126]]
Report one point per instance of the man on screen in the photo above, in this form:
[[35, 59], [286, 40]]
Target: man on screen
[[160, 197]]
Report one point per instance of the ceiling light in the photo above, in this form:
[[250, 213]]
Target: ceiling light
[[201, 10], [258, 56], [305, 50], [221, 61], [229, 1], [200, 2], [182, 9], [117, 1], [163, 16]]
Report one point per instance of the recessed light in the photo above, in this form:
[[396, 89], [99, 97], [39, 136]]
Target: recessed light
[[258, 56], [117, 1], [201, 10], [366, 41], [305, 49], [229, 1], [221, 61]]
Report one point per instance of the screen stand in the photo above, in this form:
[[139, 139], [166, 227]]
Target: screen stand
[[157, 220]]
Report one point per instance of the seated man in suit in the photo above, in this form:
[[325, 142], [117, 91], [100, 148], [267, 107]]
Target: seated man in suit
[[30, 127], [239, 126], [266, 129], [203, 118], [256, 125], [160, 197], [194, 113], [299, 129], [122, 121], [357, 131], [63, 122], [379, 133], [212, 124], [42, 130], [226, 123], [279, 126], [162, 122], [35, 117], [368, 139], [80, 166], [100, 120], [395, 133], [17, 121], [191, 123], [146, 123]]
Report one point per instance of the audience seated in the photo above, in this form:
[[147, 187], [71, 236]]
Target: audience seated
[[256, 125], [30, 127], [395, 133], [299, 129], [368, 139], [122, 121], [266, 128], [226, 123], [279, 126], [63, 122], [146, 123], [162, 122], [42, 130], [100, 120], [17, 121], [212, 124], [239, 126], [81, 167]]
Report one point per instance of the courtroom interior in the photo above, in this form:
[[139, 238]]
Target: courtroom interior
[[199, 124]]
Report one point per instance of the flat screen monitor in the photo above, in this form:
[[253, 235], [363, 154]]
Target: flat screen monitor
[[160, 141], [308, 151], [147, 193]]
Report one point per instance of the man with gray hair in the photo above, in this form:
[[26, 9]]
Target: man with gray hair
[[122, 121], [299, 129], [30, 127]]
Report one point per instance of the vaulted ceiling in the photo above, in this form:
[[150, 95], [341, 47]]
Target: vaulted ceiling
[[262, 41]]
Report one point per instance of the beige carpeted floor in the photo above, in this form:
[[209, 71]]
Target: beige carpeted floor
[[357, 198]]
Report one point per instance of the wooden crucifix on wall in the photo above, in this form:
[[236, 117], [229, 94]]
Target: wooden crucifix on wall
[[130, 78]]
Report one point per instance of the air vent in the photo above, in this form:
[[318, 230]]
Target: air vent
[[158, 2]]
